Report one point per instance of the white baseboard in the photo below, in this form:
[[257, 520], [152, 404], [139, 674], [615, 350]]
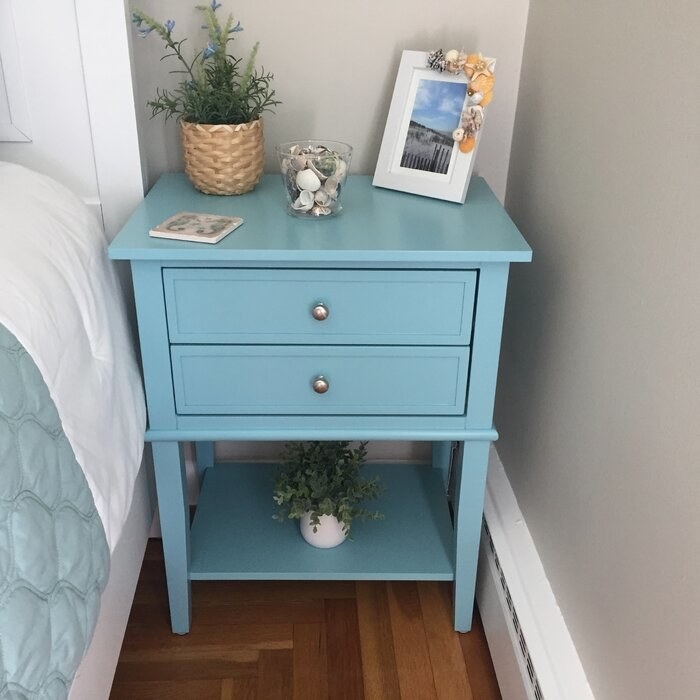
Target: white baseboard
[[533, 654]]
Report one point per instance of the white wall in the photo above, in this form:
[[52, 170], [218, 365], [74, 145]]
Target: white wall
[[69, 113], [599, 394], [335, 65], [54, 94]]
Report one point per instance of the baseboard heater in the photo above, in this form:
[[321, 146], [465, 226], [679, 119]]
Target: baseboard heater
[[532, 651]]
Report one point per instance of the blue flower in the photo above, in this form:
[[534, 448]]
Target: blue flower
[[144, 32], [210, 50], [237, 28], [215, 5], [169, 25]]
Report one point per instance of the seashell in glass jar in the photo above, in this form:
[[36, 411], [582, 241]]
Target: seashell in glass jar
[[304, 201], [298, 162], [331, 185], [321, 196], [341, 170], [308, 180]]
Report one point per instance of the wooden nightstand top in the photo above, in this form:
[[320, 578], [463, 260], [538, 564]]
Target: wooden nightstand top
[[376, 225]]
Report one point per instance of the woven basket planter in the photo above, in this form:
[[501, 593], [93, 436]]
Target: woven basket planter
[[223, 158]]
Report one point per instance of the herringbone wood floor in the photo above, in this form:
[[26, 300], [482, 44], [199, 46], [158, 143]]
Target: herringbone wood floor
[[304, 640]]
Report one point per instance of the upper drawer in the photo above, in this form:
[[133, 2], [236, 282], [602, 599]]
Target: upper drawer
[[368, 307]]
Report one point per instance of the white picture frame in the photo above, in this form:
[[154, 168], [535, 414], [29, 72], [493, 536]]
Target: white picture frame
[[408, 162]]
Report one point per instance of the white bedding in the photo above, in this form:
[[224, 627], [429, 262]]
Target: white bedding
[[60, 296]]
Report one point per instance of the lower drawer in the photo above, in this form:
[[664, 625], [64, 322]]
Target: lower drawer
[[265, 379]]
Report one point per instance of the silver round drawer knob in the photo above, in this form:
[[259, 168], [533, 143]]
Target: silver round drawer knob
[[320, 385], [320, 312]]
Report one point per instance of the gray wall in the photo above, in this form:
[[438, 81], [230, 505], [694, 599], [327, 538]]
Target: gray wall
[[599, 393], [335, 65]]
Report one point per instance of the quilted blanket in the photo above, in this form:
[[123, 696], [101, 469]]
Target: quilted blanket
[[54, 556], [60, 297]]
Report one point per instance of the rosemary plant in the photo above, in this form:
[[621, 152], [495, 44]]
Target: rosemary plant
[[216, 87]]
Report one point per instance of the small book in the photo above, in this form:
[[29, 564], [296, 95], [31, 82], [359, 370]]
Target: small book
[[199, 228]]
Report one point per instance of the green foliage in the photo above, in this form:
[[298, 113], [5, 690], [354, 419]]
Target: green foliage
[[216, 87], [324, 478]]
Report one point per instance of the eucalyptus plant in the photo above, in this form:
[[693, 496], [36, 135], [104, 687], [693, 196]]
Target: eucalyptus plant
[[216, 87], [323, 478]]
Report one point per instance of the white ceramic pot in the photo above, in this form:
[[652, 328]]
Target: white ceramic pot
[[329, 533]]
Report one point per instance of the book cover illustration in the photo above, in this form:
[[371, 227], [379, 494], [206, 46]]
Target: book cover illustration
[[196, 227]]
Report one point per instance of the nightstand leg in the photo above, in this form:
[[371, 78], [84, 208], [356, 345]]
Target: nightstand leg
[[442, 456], [469, 485], [171, 487], [204, 456]]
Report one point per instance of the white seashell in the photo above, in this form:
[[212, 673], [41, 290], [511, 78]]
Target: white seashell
[[322, 197], [452, 55], [303, 204], [472, 118], [331, 185], [458, 134], [320, 210], [475, 99], [308, 180], [306, 197], [341, 169], [298, 162]]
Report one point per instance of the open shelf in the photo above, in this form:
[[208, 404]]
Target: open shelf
[[234, 536]]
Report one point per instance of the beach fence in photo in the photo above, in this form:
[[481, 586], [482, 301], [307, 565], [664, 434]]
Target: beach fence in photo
[[437, 162]]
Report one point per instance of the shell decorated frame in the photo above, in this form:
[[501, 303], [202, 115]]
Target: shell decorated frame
[[432, 130]]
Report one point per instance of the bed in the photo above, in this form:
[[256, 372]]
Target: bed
[[72, 419], [75, 504]]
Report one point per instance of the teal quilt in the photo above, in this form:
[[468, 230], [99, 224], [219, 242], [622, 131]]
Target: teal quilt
[[54, 558]]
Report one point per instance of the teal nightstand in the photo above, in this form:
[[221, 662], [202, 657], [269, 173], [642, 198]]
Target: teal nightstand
[[383, 323]]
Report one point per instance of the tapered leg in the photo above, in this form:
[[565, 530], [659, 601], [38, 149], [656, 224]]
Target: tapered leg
[[468, 502], [171, 488]]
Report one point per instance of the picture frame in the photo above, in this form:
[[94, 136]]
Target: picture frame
[[418, 153]]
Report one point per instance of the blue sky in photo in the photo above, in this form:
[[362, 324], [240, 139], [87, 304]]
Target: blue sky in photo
[[438, 104]]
